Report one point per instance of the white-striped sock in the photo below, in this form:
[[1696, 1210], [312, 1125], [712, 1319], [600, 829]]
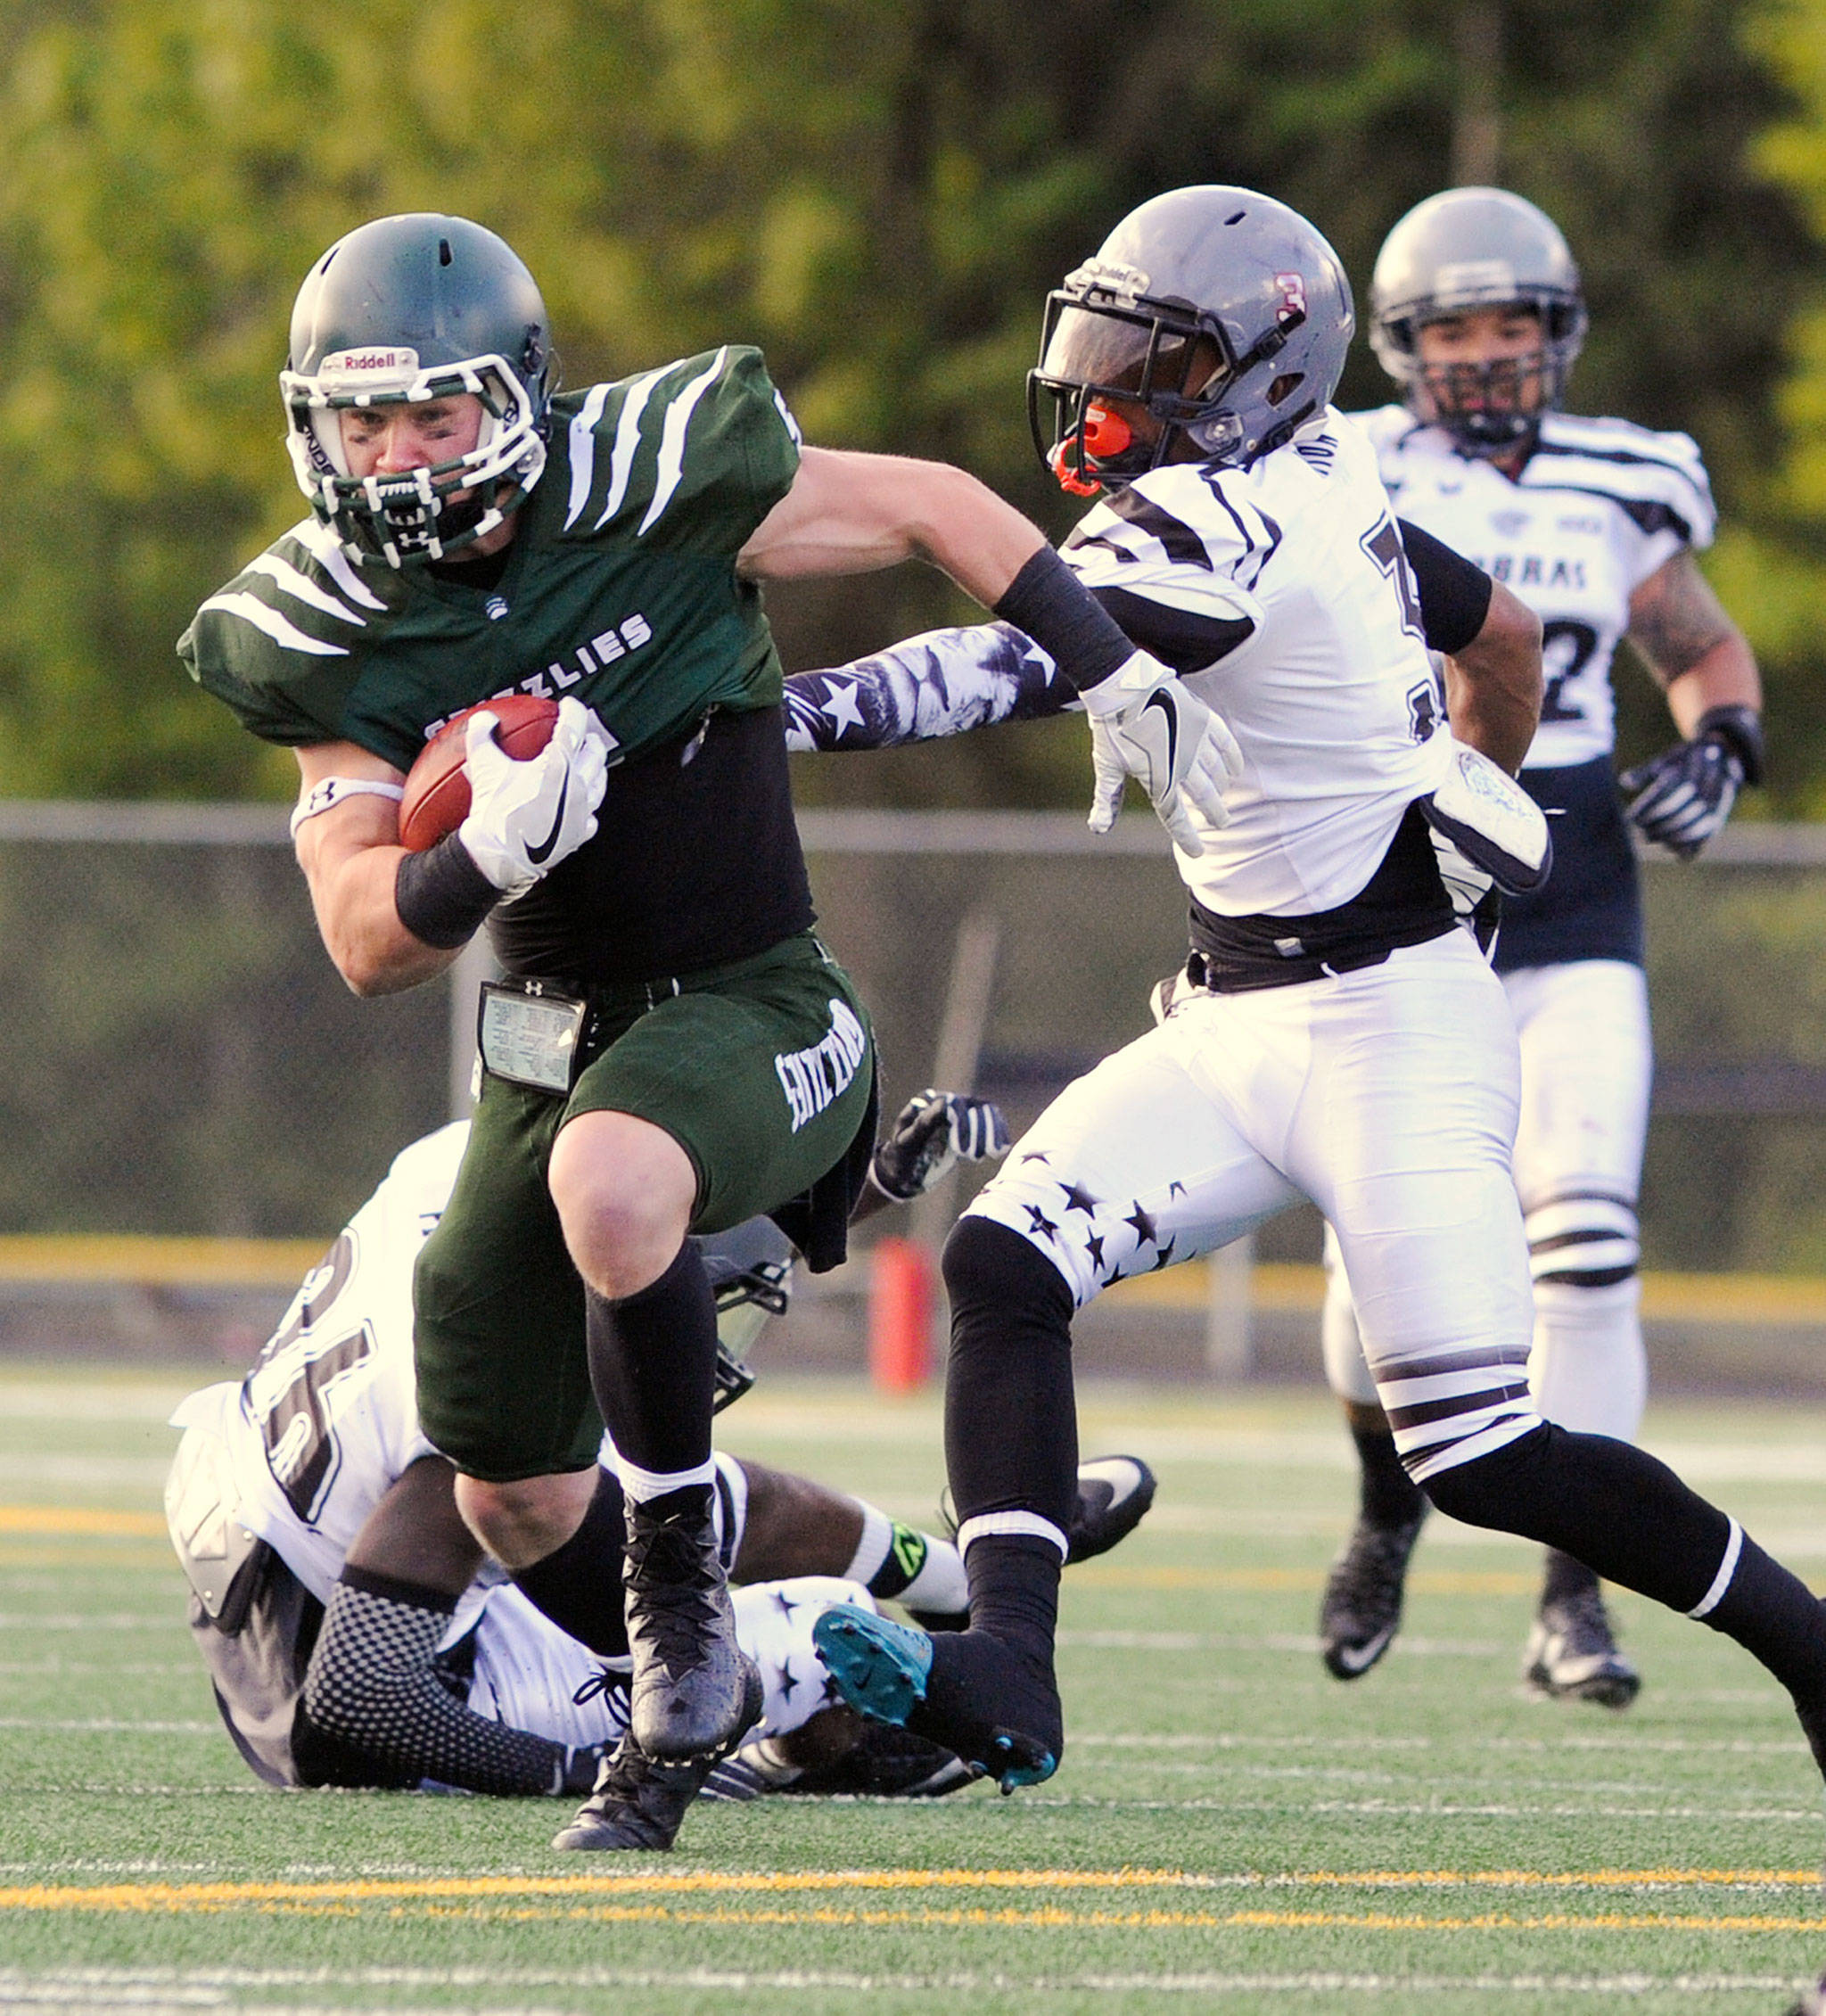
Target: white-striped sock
[[638, 1486]]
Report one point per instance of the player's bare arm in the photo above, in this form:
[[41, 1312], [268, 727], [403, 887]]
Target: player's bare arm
[[1682, 798], [417, 1534], [847, 513], [350, 855], [1700, 658], [850, 514], [1493, 683]]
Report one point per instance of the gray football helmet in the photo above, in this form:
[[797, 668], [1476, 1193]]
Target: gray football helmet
[[406, 308], [750, 1274], [1222, 311], [1468, 248]]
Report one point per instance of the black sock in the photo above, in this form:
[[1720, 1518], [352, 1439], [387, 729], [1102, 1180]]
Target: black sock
[[653, 1364], [1776, 1617], [1631, 1519], [1015, 1593], [579, 1585], [1564, 1578], [1011, 1422], [1386, 1495]]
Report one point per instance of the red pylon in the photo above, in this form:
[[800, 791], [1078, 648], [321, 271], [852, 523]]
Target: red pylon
[[900, 1316]]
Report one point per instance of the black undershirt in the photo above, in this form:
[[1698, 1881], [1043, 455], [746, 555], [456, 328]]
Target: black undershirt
[[1454, 592], [695, 863]]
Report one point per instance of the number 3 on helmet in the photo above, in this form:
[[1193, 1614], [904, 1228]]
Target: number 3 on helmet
[[402, 310]]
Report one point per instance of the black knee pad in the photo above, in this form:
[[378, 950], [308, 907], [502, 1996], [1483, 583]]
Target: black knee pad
[[986, 1263]]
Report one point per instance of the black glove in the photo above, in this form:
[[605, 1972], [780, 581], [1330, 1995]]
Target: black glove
[[933, 1130], [1682, 798]]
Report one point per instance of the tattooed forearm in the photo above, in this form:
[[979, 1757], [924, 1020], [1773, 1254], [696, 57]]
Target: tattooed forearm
[[1675, 619]]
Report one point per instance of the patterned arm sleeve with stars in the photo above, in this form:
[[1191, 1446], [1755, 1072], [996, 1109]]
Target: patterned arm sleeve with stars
[[941, 683]]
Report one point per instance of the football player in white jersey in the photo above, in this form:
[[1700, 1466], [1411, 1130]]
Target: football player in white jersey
[[1476, 314], [1335, 1035], [356, 1635]]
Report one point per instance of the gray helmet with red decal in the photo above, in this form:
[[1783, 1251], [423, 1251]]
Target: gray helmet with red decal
[[1224, 312]]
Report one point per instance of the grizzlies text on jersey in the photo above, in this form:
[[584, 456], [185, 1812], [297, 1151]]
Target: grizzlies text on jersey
[[620, 588]]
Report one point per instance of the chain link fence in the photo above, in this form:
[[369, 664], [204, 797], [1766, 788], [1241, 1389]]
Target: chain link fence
[[181, 1058]]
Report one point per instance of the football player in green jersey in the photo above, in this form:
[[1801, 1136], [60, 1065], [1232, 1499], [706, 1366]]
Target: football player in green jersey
[[672, 1051]]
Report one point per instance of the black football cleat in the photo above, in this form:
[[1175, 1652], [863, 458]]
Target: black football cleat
[[1113, 1495], [639, 1803], [1571, 1653], [691, 1681], [965, 1691], [1361, 1610]]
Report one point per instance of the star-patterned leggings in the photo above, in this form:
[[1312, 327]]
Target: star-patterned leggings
[[1388, 1095], [527, 1671]]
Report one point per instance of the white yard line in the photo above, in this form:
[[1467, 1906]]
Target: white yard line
[[147, 1989]]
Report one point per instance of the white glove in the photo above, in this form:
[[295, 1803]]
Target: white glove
[[1145, 724], [525, 818]]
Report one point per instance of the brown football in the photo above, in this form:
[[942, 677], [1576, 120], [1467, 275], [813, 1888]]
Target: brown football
[[436, 786]]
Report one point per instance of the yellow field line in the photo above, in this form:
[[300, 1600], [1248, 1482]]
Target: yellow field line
[[223, 1896], [162, 1261], [155, 1262], [1280, 1289], [82, 1520], [1050, 1918]]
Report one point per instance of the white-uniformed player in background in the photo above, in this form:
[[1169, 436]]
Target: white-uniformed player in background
[[353, 1631], [1476, 314], [1335, 1034]]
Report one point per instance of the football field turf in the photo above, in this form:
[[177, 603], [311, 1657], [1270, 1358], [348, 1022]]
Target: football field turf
[[1230, 1829]]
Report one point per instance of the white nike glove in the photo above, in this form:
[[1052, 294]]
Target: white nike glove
[[1145, 724], [525, 818]]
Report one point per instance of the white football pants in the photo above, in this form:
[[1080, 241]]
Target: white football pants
[[1387, 1096], [527, 1670], [1583, 1028]]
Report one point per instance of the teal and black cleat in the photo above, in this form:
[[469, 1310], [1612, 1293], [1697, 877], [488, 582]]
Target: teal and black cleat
[[881, 1669], [938, 1688]]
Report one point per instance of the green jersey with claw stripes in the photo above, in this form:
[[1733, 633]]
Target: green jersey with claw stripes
[[620, 587]]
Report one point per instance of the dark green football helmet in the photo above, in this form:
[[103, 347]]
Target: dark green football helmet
[[405, 309]]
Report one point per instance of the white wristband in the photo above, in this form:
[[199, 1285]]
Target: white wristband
[[332, 790]]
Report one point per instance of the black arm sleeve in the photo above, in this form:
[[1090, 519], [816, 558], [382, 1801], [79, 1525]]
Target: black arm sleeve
[[1454, 593], [375, 1713], [1179, 638]]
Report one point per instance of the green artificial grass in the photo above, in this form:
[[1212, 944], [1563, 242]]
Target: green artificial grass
[[1230, 1828]]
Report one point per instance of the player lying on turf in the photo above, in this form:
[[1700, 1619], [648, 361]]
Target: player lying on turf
[[342, 1606], [1333, 1034]]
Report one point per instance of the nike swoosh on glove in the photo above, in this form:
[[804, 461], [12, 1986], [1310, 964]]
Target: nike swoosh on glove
[[1146, 724], [525, 818], [1682, 798]]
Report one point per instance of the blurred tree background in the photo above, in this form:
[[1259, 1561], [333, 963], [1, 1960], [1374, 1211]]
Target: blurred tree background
[[879, 192]]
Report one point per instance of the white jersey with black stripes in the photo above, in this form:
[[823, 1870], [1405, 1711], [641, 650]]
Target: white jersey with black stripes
[[1597, 508], [1329, 688]]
